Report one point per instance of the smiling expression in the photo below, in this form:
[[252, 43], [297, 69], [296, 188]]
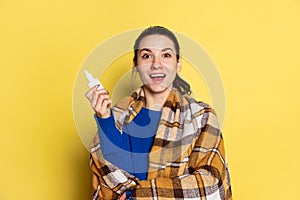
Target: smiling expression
[[157, 63]]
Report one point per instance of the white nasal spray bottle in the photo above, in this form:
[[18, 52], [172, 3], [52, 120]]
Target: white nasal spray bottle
[[92, 81]]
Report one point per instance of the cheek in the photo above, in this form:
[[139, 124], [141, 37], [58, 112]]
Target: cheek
[[172, 69], [142, 73], [172, 77], [172, 74], [141, 70], [143, 64]]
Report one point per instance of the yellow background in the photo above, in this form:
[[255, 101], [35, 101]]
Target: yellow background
[[254, 44]]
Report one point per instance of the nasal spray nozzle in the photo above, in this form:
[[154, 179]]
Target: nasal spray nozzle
[[92, 81]]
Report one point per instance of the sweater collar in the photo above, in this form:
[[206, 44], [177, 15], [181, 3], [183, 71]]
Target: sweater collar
[[136, 101]]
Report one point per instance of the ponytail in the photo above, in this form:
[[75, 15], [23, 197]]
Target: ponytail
[[181, 85]]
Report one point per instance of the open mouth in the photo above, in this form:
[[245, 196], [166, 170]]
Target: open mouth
[[157, 78], [154, 76]]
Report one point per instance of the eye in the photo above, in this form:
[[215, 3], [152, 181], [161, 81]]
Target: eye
[[167, 55], [146, 56]]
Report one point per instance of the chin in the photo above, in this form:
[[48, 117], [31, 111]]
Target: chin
[[156, 88]]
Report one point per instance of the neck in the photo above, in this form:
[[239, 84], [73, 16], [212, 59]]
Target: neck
[[155, 101]]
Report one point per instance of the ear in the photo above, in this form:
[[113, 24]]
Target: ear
[[134, 66], [178, 65]]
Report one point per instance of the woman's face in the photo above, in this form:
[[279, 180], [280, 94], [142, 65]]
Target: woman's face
[[157, 63]]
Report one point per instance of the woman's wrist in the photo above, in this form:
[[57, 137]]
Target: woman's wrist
[[107, 115]]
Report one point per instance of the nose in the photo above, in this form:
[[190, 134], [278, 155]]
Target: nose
[[156, 63]]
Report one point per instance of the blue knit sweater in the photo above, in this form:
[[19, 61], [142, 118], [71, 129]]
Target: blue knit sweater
[[130, 149]]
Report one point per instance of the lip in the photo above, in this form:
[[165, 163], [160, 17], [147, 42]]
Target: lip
[[157, 78], [157, 75]]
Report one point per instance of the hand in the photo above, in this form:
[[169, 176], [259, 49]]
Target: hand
[[100, 101], [123, 197]]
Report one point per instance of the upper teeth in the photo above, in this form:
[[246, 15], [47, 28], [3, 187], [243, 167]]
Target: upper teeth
[[157, 75]]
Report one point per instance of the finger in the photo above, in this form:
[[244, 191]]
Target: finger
[[100, 104], [104, 96], [100, 99], [90, 92], [104, 109], [102, 91], [95, 99], [106, 104], [123, 197]]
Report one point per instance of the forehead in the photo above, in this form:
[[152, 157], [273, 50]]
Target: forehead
[[156, 42]]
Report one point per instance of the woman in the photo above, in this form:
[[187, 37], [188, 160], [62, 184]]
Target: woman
[[159, 143]]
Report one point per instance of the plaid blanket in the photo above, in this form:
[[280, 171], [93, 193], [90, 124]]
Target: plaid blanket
[[186, 161]]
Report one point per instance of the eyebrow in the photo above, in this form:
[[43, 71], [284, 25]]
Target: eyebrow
[[164, 49]]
